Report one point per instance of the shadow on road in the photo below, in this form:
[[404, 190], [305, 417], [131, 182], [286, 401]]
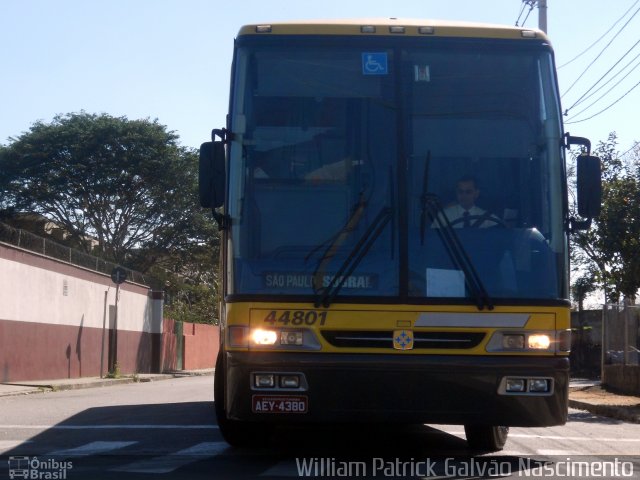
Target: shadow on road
[[153, 432], [588, 417]]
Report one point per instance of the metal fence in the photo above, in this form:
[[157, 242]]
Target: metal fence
[[44, 246], [621, 335]]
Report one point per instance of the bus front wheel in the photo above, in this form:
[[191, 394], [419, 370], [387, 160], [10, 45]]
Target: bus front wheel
[[235, 433], [486, 437]]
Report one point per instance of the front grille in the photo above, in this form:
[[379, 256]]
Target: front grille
[[384, 339]]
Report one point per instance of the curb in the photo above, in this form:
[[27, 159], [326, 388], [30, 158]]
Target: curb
[[18, 393], [30, 388], [619, 413], [191, 373]]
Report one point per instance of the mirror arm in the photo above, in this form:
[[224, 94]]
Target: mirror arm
[[570, 140], [576, 225], [222, 219], [225, 135]]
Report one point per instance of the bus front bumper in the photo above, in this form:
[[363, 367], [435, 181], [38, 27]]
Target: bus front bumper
[[396, 388]]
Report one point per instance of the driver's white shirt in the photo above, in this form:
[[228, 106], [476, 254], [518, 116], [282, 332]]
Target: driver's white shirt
[[456, 211]]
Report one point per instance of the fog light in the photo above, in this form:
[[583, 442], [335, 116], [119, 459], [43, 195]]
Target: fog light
[[538, 341], [539, 385], [289, 381], [513, 342], [264, 380], [515, 385], [291, 338], [264, 337]]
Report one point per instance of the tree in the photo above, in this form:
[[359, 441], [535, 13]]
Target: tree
[[610, 248], [126, 184], [582, 287], [193, 288]]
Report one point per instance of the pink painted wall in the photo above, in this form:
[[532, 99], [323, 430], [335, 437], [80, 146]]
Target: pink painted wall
[[52, 315], [200, 348], [201, 344]]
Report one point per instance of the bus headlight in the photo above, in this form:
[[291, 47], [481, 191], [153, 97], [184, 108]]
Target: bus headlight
[[291, 337], [284, 338], [263, 337], [538, 341], [513, 342], [524, 341]]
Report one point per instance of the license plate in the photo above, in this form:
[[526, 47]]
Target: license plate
[[279, 404]]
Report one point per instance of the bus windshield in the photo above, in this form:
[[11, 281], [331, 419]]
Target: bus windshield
[[353, 165]]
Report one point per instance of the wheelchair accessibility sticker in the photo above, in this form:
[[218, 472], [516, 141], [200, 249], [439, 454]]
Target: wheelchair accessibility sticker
[[375, 63]]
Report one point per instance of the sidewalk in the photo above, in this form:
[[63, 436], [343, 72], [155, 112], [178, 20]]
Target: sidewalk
[[39, 386], [583, 394], [590, 396]]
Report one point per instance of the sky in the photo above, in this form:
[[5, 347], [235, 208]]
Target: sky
[[170, 59]]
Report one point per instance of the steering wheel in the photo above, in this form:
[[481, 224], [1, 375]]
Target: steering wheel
[[486, 217]]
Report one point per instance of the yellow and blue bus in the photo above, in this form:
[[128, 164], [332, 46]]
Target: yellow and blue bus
[[350, 292]]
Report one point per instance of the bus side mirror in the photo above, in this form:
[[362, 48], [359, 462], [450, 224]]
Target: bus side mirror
[[212, 174], [589, 186]]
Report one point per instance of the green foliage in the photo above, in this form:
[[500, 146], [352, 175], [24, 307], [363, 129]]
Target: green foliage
[[124, 190], [582, 287], [192, 303], [115, 373], [192, 284], [610, 250], [127, 184]]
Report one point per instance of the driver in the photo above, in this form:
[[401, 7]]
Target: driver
[[465, 213]]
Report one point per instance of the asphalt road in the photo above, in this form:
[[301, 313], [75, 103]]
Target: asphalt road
[[167, 429]]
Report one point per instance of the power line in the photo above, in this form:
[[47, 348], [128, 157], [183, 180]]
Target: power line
[[531, 4], [609, 81], [527, 17], [635, 144], [607, 92], [607, 108], [520, 15], [582, 97], [601, 52], [594, 43]]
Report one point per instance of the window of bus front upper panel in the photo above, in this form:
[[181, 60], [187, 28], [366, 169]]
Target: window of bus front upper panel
[[312, 167], [486, 116]]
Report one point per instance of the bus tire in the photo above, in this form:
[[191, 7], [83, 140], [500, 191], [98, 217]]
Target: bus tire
[[235, 433], [485, 437]]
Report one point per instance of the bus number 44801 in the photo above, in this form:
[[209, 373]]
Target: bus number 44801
[[296, 317]]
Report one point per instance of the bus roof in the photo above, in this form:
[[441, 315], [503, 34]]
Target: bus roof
[[393, 27]]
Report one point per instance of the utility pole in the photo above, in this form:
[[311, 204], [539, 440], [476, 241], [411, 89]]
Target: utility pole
[[542, 12], [542, 15]]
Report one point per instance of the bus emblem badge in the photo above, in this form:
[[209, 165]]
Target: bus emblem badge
[[403, 339]]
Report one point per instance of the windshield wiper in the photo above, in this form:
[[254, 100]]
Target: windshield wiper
[[327, 294], [432, 207], [338, 239]]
